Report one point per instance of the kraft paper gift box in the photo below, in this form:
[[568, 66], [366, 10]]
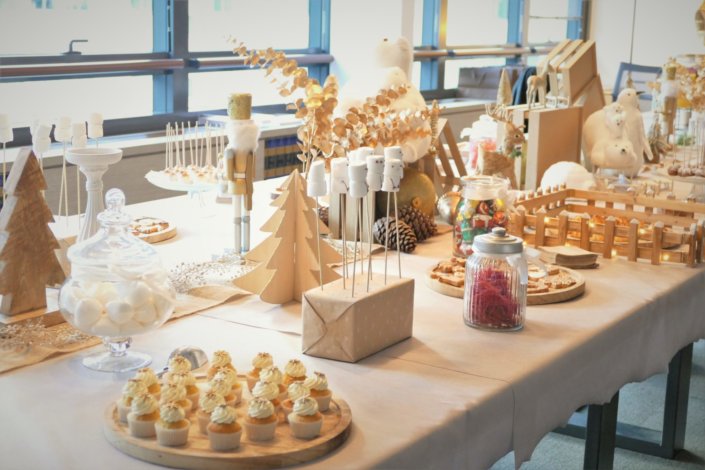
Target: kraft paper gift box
[[338, 326]]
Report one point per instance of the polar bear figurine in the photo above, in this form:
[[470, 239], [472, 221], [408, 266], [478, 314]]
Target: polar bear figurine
[[572, 174], [605, 123], [613, 154], [391, 68], [634, 129]]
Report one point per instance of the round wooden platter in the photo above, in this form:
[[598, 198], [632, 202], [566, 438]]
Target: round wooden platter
[[156, 237], [552, 297], [283, 451]]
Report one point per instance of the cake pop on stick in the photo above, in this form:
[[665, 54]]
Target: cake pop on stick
[[95, 127], [316, 187], [357, 173], [375, 178], [6, 135], [339, 184], [393, 172]]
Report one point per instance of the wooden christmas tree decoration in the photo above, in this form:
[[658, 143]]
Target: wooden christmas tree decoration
[[27, 260], [288, 262]]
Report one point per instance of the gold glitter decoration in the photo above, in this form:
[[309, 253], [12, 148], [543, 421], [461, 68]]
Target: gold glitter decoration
[[21, 337]]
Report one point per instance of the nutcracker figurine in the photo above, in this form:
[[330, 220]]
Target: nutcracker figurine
[[239, 156]]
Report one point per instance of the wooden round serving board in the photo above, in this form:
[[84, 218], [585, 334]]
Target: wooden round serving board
[[283, 451], [552, 297]]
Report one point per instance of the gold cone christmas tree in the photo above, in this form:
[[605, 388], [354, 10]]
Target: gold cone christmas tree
[[288, 261]]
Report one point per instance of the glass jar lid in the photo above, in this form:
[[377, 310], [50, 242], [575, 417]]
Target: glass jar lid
[[113, 245], [498, 242], [481, 187]]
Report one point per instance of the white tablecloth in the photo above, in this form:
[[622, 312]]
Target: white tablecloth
[[451, 396]]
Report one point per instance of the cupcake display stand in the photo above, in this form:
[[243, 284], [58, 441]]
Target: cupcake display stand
[[195, 190], [284, 450]]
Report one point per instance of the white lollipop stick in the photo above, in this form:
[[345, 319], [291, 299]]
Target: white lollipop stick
[[317, 187], [358, 189], [375, 177], [339, 183], [393, 170]]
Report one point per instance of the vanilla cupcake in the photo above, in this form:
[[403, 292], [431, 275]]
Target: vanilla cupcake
[[177, 365], [172, 427], [230, 376], [147, 375], [260, 361], [220, 359], [268, 391], [224, 432], [274, 375], [261, 422], [318, 384], [295, 371], [130, 390], [188, 381], [223, 388], [295, 391], [142, 416], [176, 393], [305, 421], [209, 401]]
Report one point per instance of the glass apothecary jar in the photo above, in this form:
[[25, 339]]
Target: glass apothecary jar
[[483, 206], [496, 278], [117, 288]]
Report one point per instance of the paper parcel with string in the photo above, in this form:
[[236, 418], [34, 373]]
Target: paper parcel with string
[[345, 328]]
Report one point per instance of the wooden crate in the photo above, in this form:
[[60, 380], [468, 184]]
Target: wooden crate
[[591, 220]]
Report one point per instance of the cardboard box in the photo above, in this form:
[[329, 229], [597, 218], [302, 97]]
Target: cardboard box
[[340, 327]]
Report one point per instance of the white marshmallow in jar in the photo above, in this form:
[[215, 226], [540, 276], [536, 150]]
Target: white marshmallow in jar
[[117, 287]]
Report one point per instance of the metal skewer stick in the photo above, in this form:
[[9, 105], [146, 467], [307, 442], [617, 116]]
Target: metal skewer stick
[[369, 241], [318, 243], [386, 239], [355, 251], [396, 224], [342, 212]]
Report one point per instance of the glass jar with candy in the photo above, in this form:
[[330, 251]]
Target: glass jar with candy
[[496, 278], [483, 206]]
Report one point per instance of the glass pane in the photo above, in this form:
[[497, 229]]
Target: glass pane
[[453, 68], [281, 24], [45, 27], [476, 23], [418, 22], [113, 97], [548, 22], [210, 90]]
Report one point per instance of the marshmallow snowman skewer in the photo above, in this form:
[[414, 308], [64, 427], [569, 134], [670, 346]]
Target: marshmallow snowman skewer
[[62, 133], [393, 173], [357, 172], [375, 179], [95, 127], [79, 140], [360, 156], [6, 135], [339, 185], [316, 187]]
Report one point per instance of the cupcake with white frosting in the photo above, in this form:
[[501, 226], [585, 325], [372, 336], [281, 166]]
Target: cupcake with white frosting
[[223, 388], [261, 422], [294, 392], [294, 371], [305, 421], [260, 361], [220, 359], [130, 390], [150, 379], [318, 384], [177, 365], [273, 374], [230, 376], [268, 391], [188, 381], [224, 432], [143, 415], [172, 427], [209, 401], [176, 393]]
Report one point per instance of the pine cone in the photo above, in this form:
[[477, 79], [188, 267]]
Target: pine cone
[[323, 214], [424, 226], [407, 238]]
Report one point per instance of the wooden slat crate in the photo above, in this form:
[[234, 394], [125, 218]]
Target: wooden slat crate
[[611, 224]]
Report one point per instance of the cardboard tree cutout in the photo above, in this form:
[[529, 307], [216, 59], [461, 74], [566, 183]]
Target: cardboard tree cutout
[[288, 262]]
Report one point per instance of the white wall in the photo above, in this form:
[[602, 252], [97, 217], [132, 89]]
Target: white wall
[[663, 28]]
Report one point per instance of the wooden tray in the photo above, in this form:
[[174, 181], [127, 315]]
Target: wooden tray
[[555, 296], [284, 450], [160, 236]]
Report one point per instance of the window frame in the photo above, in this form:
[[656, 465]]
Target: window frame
[[169, 64]]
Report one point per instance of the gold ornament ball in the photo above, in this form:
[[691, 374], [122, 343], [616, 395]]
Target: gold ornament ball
[[416, 190], [448, 206]]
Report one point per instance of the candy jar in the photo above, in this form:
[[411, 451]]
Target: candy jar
[[496, 277], [117, 288], [483, 206]]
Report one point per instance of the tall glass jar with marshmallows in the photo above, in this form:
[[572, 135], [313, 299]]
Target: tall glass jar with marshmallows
[[496, 279], [117, 288]]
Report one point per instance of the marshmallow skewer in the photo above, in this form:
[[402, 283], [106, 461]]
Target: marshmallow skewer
[[6, 135], [339, 185], [375, 178], [79, 141], [62, 133], [360, 156], [393, 172], [95, 127], [357, 173], [315, 188]]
